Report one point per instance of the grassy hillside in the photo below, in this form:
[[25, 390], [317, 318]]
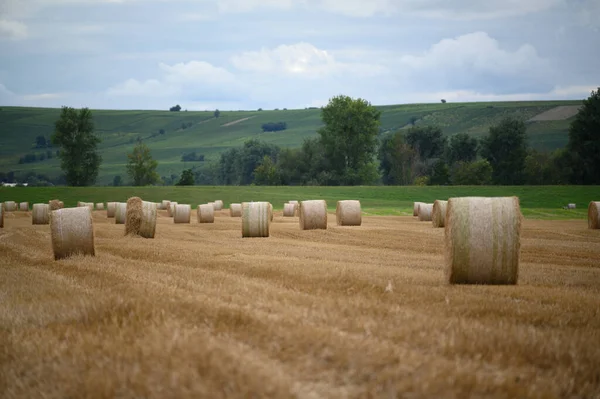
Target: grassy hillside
[[210, 136], [539, 202]]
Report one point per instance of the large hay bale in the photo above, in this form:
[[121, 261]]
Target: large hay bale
[[72, 232], [313, 215], [111, 208], [235, 210], [24, 206], [213, 205], [438, 213], [182, 213], [206, 213], [425, 211], [348, 213], [171, 209], [255, 219], [1, 215], [482, 240], [289, 210], [140, 218], [218, 205], [55, 204], [100, 206], [10, 206], [40, 214], [594, 215], [416, 208], [120, 212]]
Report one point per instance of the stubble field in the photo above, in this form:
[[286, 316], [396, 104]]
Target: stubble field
[[344, 312]]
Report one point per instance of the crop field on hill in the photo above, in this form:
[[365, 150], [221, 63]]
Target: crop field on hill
[[351, 312], [210, 136]]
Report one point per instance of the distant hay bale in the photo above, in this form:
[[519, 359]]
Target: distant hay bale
[[166, 204], [87, 204], [255, 219], [296, 207], [24, 206], [218, 205], [182, 213], [348, 213], [594, 215], [10, 206], [120, 212], [206, 213], [438, 213], [40, 214], [270, 212], [100, 206], [313, 215], [72, 232], [571, 206], [55, 204], [416, 208], [425, 212], [235, 210], [171, 209], [1, 215], [289, 210], [140, 218], [111, 208], [482, 240]]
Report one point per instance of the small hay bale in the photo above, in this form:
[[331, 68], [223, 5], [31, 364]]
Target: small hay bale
[[438, 215], [482, 240], [416, 208], [140, 218], [571, 206], [24, 206], [206, 213], [111, 208], [313, 215], [182, 213], [296, 207], [218, 205], [235, 210], [120, 212], [100, 206], [594, 215], [270, 212], [289, 210], [40, 214], [348, 213], [55, 204], [171, 209], [166, 205], [255, 219], [10, 206], [425, 211], [1, 215], [72, 232]]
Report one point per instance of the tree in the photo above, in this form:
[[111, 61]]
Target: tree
[[141, 167], [462, 147], [471, 173], [175, 108], [428, 141], [584, 142], [397, 160], [217, 113], [161, 131], [40, 142], [117, 181], [187, 178], [506, 149], [349, 137], [74, 134], [266, 172]]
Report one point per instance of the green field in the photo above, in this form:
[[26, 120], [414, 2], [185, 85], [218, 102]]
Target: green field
[[537, 202], [208, 136]]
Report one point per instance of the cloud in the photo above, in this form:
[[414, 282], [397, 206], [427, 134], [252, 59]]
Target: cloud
[[12, 29], [237, 6], [196, 72]]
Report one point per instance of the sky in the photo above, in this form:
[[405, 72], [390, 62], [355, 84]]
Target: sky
[[249, 54]]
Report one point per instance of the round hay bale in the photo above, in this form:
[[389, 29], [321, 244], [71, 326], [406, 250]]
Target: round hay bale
[[140, 218], [482, 240], [270, 212], [235, 210], [255, 219], [313, 215], [218, 205], [206, 213], [72, 232], [166, 204], [348, 213], [296, 207], [24, 207], [416, 208], [40, 214], [100, 206], [1, 215], [111, 208], [594, 215], [120, 212], [55, 204], [289, 210], [171, 209], [182, 213], [10, 206], [213, 205], [425, 211], [438, 213]]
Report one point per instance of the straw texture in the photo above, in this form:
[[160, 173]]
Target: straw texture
[[594, 215], [218, 205], [425, 211], [40, 214], [56, 204], [289, 210], [416, 208], [206, 213], [182, 213], [72, 232], [10, 206], [296, 207], [120, 212], [438, 216], [111, 208], [24, 206], [482, 240], [348, 213], [171, 209], [313, 215], [100, 206], [255, 219], [140, 218], [235, 210]]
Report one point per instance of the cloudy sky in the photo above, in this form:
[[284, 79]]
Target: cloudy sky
[[245, 54]]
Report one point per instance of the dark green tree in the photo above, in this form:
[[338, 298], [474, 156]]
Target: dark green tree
[[584, 142], [217, 113], [187, 178], [428, 141], [117, 181], [397, 160], [141, 167], [471, 173], [349, 137], [265, 173], [505, 148], [461, 147], [79, 158]]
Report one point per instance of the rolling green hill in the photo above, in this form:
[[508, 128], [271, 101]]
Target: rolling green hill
[[210, 136]]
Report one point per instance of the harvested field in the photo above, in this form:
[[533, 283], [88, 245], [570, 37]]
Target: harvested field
[[559, 113], [236, 121], [343, 312]]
